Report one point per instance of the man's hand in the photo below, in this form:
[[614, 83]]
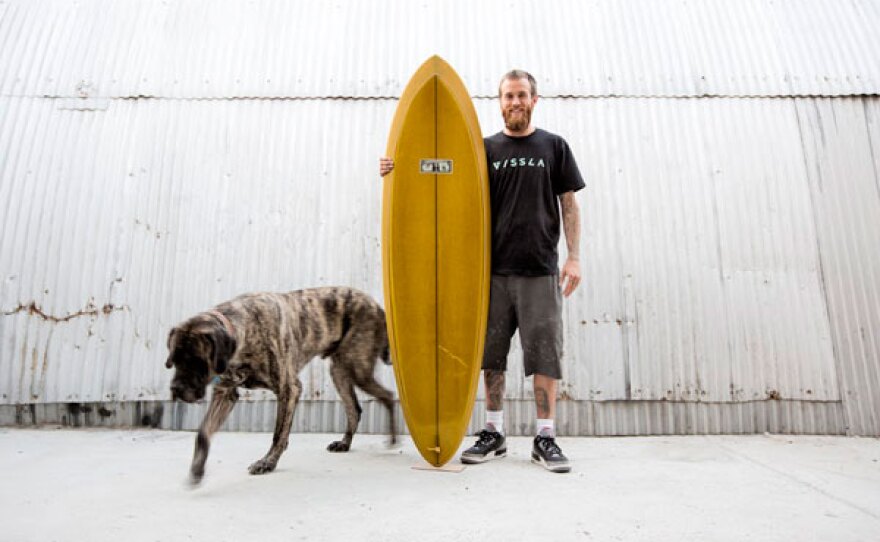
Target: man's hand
[[385, 165], [572, 272], [571, 223]]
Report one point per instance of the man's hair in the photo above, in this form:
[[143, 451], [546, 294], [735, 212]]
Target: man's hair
[[515, 75]]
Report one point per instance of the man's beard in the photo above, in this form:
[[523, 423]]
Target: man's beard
[[517, 123]]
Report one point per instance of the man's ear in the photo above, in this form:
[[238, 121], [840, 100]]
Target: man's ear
[[169, 363], [224, 346]]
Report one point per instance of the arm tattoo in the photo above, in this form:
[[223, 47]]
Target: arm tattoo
[[494, 390], [571, 223], [542, 402]]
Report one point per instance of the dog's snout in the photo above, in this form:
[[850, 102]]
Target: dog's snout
[[179, 392], [185, 393]]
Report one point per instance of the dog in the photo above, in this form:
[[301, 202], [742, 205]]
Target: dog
[[263, 340]]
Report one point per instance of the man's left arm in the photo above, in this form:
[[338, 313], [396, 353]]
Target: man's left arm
[[570, 277]]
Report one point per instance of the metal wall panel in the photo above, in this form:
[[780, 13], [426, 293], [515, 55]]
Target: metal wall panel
[[701, 244], [699, 252], [729, 244], [119, 223], [841, 140], [279, 48], [574, 418]]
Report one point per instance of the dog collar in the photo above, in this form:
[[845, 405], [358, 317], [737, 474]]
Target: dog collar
[[226, 323]]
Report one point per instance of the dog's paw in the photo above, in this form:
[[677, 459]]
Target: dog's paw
[[262, 467], [196, 473], [338, 446], [196, 478]]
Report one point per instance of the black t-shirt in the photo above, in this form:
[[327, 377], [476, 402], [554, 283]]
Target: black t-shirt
[[526, 176]]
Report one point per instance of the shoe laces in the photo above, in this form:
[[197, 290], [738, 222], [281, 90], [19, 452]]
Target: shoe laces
[[548, 444], [486, 437]]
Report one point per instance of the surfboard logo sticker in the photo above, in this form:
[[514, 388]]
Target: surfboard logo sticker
[[435, 166]]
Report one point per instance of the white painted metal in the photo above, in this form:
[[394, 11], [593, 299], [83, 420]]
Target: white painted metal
[[841, 140], [699, 250], [280, 48], [122, 222], [729, 244]]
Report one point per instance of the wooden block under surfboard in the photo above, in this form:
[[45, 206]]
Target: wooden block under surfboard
[[435, 257]]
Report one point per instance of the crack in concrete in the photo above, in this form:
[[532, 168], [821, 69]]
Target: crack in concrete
[[797, 480]]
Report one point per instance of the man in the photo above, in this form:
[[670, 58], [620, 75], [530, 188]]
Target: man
[[532, 174]]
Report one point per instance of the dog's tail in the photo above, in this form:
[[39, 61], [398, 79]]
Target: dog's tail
[[384, 354]]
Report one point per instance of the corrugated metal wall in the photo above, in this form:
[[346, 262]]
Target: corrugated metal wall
[[730, 242], [274, 48]]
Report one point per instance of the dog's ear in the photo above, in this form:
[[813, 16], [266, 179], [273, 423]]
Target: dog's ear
[[169, 363], [224, 347]]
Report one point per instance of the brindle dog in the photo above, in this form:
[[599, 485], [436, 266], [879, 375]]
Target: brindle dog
[[263, 340]]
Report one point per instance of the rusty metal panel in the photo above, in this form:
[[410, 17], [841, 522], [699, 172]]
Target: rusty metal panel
[[119, 223], [574, 418], [298, 49], [708, 246], [729, 244]]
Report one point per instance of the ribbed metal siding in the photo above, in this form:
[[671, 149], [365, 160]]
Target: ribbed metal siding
[[238, 48], [729, 245], [841, 140], [122, 222], [700, 253], [706, 272], [573, 417]]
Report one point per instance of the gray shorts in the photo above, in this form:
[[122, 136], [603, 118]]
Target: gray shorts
[[534, 305]]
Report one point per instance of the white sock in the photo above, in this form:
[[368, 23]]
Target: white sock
[[495, 420], [545, 428]]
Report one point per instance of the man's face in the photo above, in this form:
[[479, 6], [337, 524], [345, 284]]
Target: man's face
[[517, 103]]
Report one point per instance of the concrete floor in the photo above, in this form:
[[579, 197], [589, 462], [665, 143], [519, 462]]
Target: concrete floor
[[96, 485]]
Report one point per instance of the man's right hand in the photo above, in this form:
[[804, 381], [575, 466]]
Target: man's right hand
[[385, 165]]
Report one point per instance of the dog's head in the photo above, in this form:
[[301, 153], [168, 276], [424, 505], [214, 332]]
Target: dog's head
[[198, 349]]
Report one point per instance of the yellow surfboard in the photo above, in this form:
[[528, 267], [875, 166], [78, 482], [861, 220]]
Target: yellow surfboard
[[435, 257]]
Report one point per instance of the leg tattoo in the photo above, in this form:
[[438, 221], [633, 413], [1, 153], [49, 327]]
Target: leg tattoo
[[494, 381]]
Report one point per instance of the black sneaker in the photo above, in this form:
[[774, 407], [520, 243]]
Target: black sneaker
[[489, 445], [547, 453]]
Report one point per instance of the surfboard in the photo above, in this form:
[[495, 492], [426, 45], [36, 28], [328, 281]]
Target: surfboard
[[435, 257]]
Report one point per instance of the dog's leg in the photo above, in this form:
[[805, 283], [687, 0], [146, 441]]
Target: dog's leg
[[345, 387], [368, 383], [288, 397], [222, 402]]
